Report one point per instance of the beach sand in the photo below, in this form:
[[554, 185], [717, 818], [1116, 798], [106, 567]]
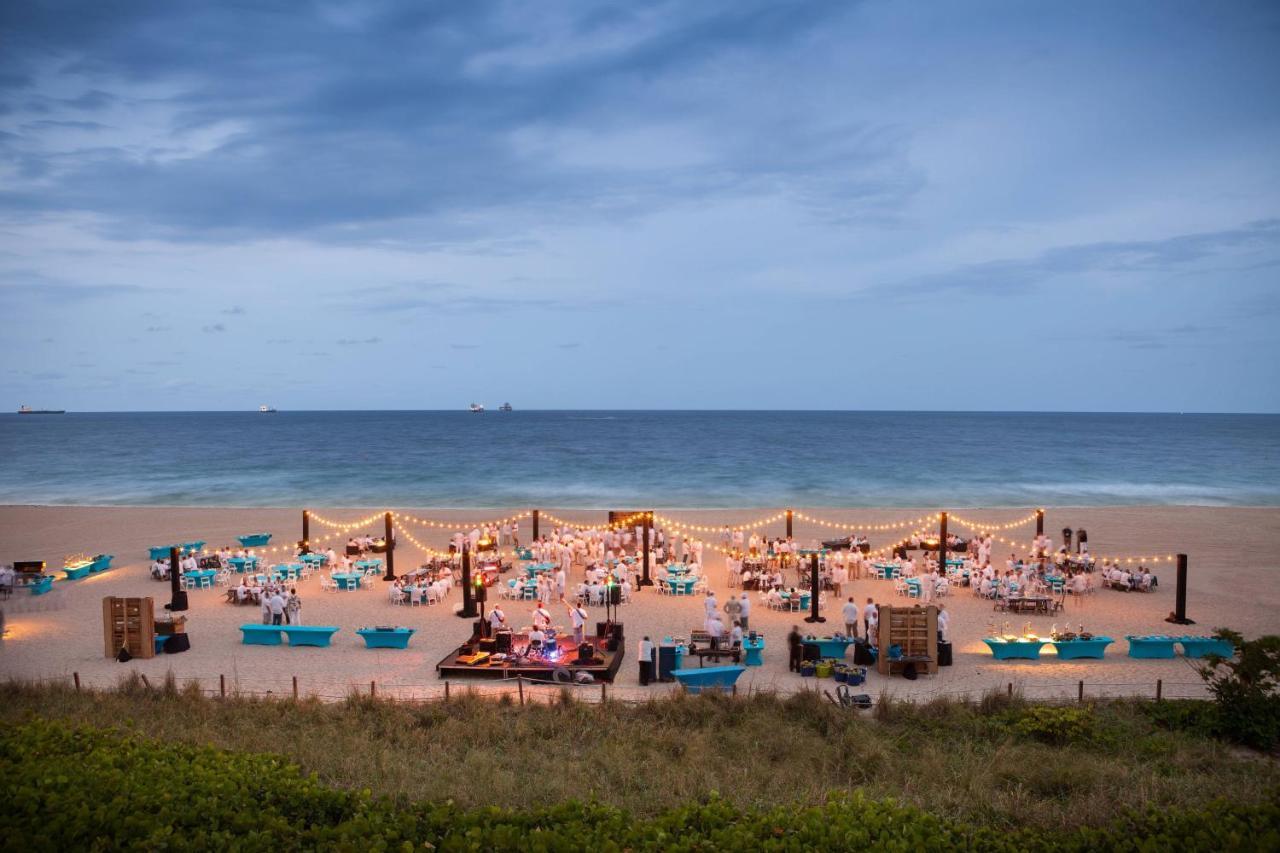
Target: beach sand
[[1233, 558]]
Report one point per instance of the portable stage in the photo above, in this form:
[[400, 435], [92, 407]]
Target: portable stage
[[498, 658]]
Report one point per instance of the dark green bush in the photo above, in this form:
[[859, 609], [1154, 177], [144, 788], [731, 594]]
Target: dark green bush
[[1057, 726], [74, 789], [1247, 689]]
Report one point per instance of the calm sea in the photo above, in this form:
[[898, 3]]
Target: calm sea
[[625, 459]]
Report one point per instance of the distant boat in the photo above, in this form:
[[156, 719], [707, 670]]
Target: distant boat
[[27, 410], [505, 407], [477, 408], [266, 410]]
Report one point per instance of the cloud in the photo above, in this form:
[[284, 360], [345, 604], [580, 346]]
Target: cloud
[[1010, 277], [30, 286], [233, 311], [215, 328], [480, 87], [354, 342]]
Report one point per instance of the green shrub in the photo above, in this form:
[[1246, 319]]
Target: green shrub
[[1056, 726], [1247, 689], [71, 789]]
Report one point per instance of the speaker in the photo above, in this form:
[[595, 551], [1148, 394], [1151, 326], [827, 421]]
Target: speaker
[[177, 643], [502, 641], [944, 654], [586, 653], [615, 594], [488, 644], [481, 592]]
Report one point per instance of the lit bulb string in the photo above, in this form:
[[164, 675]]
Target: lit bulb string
[[345, 526], [892, 525], [458, 525], [983, 527], [708, 528], [1097, 558], [409, 537], [617, 524]]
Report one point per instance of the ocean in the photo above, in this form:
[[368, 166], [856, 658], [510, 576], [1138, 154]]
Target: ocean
[[627, 459]]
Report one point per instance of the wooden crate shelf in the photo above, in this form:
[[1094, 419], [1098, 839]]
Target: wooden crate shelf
[[128, 623]]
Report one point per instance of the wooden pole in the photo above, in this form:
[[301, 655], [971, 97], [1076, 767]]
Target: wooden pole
[[1039, 522], [648, 524], [222, 686], [520, 687], [75, 676], [942, 543], [1179, 615], [177, 596], [144, 680], [373, 689], [603, 696], [1080, 692], [789, 519], [295, 688], [306, 532], [535, 525], [391, 551], [1159, 689], [468, 610], [815, 590], [1010, 688], [446, 691]]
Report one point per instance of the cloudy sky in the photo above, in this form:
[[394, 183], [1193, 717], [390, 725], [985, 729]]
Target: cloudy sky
[[732, 204]]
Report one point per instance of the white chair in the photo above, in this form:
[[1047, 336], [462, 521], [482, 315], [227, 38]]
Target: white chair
[[327, 584], [415, 597], [433, 596], [900, 587]]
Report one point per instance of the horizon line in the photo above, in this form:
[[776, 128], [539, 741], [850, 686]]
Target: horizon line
[[499, 413]]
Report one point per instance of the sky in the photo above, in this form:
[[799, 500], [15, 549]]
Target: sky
[[737, 204]]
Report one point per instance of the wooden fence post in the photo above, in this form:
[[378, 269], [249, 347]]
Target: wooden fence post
[[222, 686], [1159, 689], [144, 680], [76, 677], [446, 691], [1011, 689], [603, 696], [520, 686], [373, 688], [1080, 692], [295, 688]]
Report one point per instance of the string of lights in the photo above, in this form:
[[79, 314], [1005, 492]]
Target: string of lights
[[984, 527], [459, 525], [709, 528], [345, 526], [892, 525]]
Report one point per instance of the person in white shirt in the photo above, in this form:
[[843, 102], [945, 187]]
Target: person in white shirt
[[744, 611], [710, 605], [266, 609], [870, 619], [541, 616], [537, 638], [160, 570], [850, 611], [944, 624], [497, 619], [735, 634], [714, 627], [579, 617], [242, 592], [647, 653], [276, 605]]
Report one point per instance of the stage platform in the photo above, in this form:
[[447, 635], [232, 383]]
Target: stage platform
[[540, 668]]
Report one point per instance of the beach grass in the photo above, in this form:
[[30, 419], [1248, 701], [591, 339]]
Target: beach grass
[[999, 763]]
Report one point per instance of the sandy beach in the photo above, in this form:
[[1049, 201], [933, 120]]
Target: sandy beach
[[1232, 559]]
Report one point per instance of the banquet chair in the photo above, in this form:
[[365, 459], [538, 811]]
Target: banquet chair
[[415, 597], [327, 584], [900, 587], [395, 594]]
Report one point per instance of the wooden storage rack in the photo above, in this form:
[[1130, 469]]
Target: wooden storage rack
[[915, 630], [129, 623]]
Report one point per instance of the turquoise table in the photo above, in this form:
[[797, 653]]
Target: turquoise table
[[77, 571], [887, 570], [804, 599], [1015, 649], [536, 569], [348, 580], [524, 553], [198, 545], [1198, 647], [677, 569], [243, 564], [681, 586], [386, 638], [1152, 648], [41, 585], [261, 635], [308, 635], [830, 647], [101, 563], [160, 640], [314, 559], [200, 576], [753, 652], [709, 678], [1093, 648], [254, 540], [365, 565], [286, 571], [159, 552]]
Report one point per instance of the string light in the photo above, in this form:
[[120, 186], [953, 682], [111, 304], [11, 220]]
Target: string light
[[982, 527], [458, 525], [705, 528], [345, 526], [892, 525]]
